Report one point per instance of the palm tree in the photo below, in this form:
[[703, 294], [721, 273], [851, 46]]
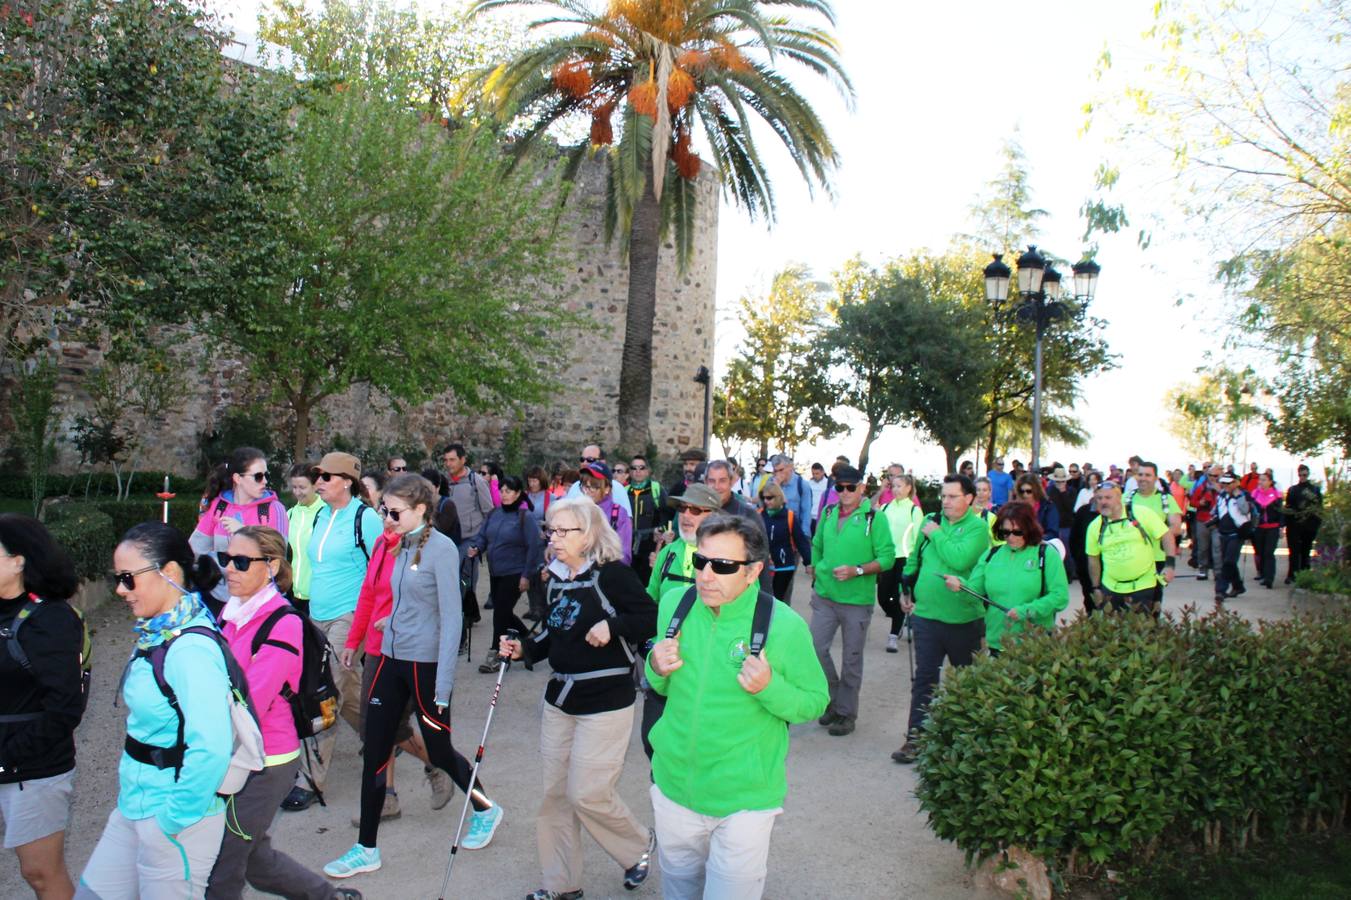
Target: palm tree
[[666, 68]]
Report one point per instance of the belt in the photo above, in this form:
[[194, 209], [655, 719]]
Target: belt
[[571, 678], [150, 755]]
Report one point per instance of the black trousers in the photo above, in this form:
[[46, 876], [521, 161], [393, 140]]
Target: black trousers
[[395, 682], [505, 591], [1230, 575], [889, 592], [1265, 540], [783, 585], [1299, 536], [935, 641]]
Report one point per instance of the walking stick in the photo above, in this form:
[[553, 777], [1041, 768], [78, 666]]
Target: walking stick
[[166, 496], [512, 634], [981, 597]]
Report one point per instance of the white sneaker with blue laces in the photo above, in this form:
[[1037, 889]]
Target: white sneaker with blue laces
[[355, 861], [482, 826]]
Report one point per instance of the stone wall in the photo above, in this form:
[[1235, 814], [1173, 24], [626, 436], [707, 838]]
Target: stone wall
[[584, 405]]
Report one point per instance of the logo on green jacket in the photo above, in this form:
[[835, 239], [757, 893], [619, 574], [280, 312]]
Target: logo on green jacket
[[737, 652]]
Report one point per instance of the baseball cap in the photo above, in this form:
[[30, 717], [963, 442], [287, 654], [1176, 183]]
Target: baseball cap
[[597, 469]]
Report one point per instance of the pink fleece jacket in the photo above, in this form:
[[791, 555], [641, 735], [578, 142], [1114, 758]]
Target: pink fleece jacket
[[266, 672], [377, 596]]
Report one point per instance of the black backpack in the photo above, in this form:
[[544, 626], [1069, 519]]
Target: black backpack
[[10, 635], [315, 706], [764, 614], [1041, 562]]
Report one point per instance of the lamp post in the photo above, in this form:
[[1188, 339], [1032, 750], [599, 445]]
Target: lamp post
[[704, 377], [1040, 291]]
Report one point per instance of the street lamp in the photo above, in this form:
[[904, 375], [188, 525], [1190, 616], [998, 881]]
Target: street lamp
[[1039, 287], [704, 377]]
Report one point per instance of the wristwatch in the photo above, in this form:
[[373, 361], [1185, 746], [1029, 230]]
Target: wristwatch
[[858, 570]]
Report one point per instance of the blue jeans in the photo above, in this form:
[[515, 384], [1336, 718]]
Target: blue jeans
[[934, 641]]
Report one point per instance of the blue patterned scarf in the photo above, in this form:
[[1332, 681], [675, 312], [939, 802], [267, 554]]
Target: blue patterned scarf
[[148, 631]]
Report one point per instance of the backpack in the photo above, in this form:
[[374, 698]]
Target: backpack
[[1041, 562], [264, 511], [760, 620], [314, 706], [868, 516], [246, 755], [10, 635]]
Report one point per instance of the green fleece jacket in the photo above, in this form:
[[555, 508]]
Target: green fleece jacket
[[679, 572], [855, 542], [954, 549], [1012, 578], [717, 749]]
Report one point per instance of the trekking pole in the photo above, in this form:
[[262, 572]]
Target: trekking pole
[[512, 634], [910, 644], [981, 597]]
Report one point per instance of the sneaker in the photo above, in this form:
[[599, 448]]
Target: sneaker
[[843, 725], [636, 874], [1238, 592], [488, 604], [829, 717], [1203, 575], [482, 827], [545, 894], [907, 754], [893, 646], [346, 894], [490, 662], [355, 861], [387, 812], [442, 787], [298, 799]]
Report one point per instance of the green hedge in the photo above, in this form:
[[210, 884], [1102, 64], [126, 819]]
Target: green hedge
[[88, 535], [1099, 743]]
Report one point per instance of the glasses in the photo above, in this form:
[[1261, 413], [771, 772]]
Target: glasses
[[720, 566], [639, 467], [846, 487], [692, 510], [238, 560], [559, 532], [998, 462], [258, 477], [1026, 491], [587, 459], [398, 468], [391, 514], [325, 476], [128, 579], [1005, 533]]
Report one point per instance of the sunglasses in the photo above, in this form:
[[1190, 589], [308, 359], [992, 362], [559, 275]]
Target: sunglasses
[[693, 510], [720, 566], [1006, 532], [559, 532], [325, 476], [587, 459], [846, 487], [128, 579], [238, 560], [391, 514], [639, 467], [258, 477], [1026, 491], [398, 468]]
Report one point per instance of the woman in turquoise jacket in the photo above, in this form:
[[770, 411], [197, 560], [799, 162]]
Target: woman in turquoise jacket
[[162, 838], [1022, 575]]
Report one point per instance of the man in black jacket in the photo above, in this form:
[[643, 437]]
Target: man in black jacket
[[1303, 502]]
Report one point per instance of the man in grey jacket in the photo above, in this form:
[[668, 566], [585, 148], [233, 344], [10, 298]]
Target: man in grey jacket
[[473, 501]]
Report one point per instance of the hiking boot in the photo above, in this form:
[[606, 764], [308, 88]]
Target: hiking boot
[[355, 861], [442, 787], [388, 812], [893, 645], [829, 717], [1203, 575], [1238, 592], [907, 754], [490, 662], [843, 725], [545, 894], [488, 604], [636, 874], [482, 827], [298, 799]]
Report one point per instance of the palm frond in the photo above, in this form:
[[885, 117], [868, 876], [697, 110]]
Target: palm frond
[[677, 214]]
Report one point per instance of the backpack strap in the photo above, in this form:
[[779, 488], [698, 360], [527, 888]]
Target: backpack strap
[[681, 611], [765, 605], [666, 571], [356, 530], [10, 634], [263, 636], [1041, 564], [993, 550], [614, 514]]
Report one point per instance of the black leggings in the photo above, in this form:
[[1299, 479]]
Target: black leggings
[[505, 591], [889, 593], [396, 680]]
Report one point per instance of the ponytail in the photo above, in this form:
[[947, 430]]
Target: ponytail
[[163, 544]]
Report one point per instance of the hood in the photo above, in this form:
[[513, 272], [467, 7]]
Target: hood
[[264, 500]]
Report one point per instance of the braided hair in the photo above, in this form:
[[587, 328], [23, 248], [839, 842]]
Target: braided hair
[[414, 490]]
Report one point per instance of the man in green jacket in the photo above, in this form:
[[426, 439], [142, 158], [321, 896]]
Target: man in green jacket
[[719, 769], [851, 546], [946, 624]]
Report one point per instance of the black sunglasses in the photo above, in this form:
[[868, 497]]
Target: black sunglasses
[[587, 459], [391, 514], [692, 510], [398, 468], [1026, 491], [258, 477], [846, 487], [720, 566], [1006, 532], [238, 560], [128, 579]]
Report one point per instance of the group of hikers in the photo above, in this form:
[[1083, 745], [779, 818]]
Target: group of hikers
[[255, 634]]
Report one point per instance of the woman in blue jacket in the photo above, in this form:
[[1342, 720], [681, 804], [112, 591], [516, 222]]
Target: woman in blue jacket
[[514, 544], [162, 838]]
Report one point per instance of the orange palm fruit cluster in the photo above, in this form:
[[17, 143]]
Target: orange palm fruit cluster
[[602, 132], [686, 162], [643, 97], [679, 89], [573, 77]]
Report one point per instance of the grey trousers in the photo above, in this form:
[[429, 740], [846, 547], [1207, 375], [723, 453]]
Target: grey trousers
[[250, 812], [851, 620]]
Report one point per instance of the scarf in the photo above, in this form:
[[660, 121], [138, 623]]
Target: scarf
[[149, 631], [242, 611]]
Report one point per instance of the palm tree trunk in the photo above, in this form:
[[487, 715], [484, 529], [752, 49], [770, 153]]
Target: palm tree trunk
[[635, 374]]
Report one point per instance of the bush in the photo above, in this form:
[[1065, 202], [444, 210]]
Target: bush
[[88, 535], [126, 513], [1094, 744]]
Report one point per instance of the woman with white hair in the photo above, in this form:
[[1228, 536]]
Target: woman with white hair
[[598, 610]]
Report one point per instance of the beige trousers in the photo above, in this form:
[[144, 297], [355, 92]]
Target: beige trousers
[[583, 759]]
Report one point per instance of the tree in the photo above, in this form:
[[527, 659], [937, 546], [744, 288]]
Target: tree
[[776, 391], [1209, 414], [130, 165], [909, 356], [666, 70], [398, 254], [35, 423]]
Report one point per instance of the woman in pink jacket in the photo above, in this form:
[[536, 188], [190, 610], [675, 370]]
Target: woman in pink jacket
[[264, 634]]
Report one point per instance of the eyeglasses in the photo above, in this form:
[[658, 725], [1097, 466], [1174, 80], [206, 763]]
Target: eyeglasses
[[1005, 533], [238, 560], [128, 579], [845, 487], [259, 477], [720, 566], [559, 532], [391, 514], [692, 510]]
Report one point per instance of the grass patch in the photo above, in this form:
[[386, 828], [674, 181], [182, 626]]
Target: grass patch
[[1312, 870]]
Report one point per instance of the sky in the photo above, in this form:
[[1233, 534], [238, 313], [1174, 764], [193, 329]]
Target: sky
[[940, 89]]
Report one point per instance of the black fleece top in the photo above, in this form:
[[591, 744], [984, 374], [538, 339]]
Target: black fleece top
[[52, 637], [575, 605]]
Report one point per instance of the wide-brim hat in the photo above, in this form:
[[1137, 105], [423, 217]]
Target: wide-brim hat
[[700, 495], [341, 464], [1060, 474]]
